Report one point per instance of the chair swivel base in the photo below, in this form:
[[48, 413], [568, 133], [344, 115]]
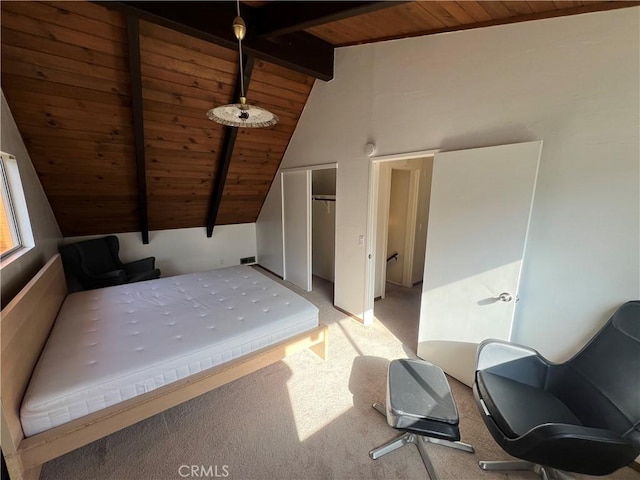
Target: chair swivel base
[[419, 441], [545, 473]]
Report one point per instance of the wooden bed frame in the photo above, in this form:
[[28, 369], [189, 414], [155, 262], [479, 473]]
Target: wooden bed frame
[[25, 324]]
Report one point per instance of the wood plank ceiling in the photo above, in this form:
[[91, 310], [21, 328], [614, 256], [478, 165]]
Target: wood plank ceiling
[[71, 78]]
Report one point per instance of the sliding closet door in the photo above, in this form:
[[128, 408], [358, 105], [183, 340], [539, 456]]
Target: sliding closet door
[[296, 227], [478, 222]]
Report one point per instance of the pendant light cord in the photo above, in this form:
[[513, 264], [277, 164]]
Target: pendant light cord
[[241, 114], [240, 59]]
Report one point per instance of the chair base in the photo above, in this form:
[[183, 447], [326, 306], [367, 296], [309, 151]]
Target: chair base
[[419, 441], [545, 473]]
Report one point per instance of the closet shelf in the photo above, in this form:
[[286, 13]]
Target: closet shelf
[[329, 198]]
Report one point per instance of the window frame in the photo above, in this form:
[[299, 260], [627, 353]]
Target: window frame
[[9, 206], [12, 185]]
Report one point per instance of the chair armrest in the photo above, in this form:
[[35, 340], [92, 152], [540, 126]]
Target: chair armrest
[[496, 352], [147, 275], [516, 362], [107, 279], [577, 448], [548, 431], [139, 266]]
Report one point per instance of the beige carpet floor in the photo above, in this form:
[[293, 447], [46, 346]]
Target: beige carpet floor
[[301, 418]]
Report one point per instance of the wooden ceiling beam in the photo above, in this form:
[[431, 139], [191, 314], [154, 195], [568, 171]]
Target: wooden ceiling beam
[[211, 22], [280, 18], [133, 36], [228, 145]]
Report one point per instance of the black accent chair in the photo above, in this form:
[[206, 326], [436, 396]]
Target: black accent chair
[[580, 416], [95, 264]]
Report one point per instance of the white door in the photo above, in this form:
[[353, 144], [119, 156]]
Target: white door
[[296, 227], [479, 215]]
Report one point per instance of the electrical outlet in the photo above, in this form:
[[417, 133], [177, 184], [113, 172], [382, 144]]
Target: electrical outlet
[[246, 260]]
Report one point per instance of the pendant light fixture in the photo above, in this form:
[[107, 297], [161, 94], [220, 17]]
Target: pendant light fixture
[[242, 114]]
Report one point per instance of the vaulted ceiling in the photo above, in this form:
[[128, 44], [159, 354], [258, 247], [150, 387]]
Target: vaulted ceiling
[[110, 97]]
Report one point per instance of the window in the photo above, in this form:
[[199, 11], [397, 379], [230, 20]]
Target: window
[[9, 234], [15, 229]]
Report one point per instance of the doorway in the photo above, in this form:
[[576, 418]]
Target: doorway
[[308, 225], [403, 191], [479, 211]]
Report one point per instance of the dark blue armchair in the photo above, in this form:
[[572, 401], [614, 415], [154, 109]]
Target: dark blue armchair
[[95, 264]]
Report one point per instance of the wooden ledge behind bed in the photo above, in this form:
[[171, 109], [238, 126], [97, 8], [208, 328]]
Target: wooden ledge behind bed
[[24, 328]]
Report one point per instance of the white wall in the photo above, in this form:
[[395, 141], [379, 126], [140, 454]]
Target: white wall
[[188, 250], [571, 82], [324, 135], [16, 272]]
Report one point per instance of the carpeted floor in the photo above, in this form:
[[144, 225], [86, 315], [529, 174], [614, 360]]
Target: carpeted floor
[[301, 418]]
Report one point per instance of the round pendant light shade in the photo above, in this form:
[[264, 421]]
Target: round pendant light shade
[[242, 114]]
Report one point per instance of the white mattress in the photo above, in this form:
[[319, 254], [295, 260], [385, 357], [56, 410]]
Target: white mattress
[[111, 344]]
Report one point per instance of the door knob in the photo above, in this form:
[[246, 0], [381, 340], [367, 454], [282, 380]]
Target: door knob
[[505, 297]]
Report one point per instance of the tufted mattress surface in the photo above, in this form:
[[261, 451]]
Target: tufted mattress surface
[[111, 344]]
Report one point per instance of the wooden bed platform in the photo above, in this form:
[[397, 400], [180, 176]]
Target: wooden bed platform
[[24, 328]]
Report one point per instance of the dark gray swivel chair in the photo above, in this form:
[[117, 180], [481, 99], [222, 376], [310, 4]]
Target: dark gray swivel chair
[[580, 416], [95, 264]]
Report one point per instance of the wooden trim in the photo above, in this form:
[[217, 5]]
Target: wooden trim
[[229, 143], [25, 324], [133, 35], [269, 271], [349, 314]]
